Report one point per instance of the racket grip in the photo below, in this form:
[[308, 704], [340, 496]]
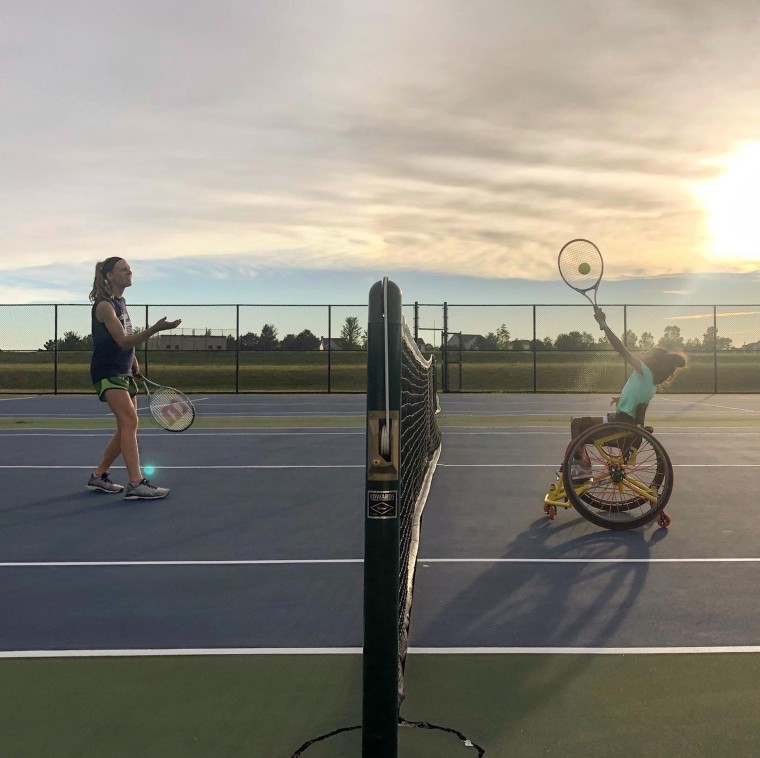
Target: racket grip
[[602, 325]]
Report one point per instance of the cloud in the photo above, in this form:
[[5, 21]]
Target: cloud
[[10, 295], [453, 137], [698, 316]]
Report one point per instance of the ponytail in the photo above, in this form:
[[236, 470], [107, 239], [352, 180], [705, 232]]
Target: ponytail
[[101, 289]]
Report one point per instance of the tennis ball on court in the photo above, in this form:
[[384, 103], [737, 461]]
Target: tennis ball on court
[[584, 268]]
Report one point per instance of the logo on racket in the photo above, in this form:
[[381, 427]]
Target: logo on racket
[[174, 411]]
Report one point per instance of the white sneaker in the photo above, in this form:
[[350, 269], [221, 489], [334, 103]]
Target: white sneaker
[[145, 491], [103, 483], [580, 470]]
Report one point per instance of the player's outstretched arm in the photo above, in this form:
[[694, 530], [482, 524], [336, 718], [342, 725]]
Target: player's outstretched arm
[[614, 340]]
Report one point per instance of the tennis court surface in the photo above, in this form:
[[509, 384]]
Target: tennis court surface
[[226, 620]]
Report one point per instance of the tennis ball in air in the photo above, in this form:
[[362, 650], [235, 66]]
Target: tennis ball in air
[[584, 268]]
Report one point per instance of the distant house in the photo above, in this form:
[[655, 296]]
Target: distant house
[[331, 343], [165, 342], [467, 341], [751, 347]]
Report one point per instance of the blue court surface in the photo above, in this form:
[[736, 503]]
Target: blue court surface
[[258, 548]]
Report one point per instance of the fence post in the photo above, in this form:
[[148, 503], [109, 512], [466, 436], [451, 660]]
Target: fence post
[[625, 341], [416, 321], [55, 350], [535, 353], [329, 349], [715, 350], [145, 348], [237, 349], [445, 348]]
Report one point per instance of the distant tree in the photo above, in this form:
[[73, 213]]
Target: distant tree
[[502, 337], [708, 340], [693, 344], [231, 342], [646, 342], [630, 340], [548, 343], [350, 333], [574, 341], [489, 342], [268, 338], [303, 341], [671, 338], [498, 340], [70, 341], [249, 341]]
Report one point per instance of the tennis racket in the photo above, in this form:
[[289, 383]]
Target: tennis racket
[[581, 266], [170, 408]]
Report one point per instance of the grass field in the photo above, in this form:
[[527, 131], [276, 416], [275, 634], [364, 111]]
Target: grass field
[[552, 371]]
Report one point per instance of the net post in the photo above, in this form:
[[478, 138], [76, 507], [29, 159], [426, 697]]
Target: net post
[[380, 707]]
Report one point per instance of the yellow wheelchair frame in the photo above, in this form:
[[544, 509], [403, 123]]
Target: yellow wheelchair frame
[[631, 481]]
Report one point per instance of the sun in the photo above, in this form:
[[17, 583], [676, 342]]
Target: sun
[[732, 203]]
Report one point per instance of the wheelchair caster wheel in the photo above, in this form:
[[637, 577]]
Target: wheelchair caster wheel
[[663, 520], [550, 511]]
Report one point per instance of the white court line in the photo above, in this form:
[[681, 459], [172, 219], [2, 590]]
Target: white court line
[[680, 650], [343, 561], [361, 465], [305, 431], [158, 432], [168, 468], [29, 397], [225, 651], [107, 564], [711, 405]]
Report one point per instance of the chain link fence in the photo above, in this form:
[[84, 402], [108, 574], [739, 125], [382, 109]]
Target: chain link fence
[[321, 348]]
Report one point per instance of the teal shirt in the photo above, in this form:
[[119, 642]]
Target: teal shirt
[[640, 388]]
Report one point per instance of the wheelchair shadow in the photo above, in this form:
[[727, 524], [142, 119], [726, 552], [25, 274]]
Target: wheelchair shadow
[[578, 594]]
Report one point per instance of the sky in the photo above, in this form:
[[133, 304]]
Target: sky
[[297, 151]]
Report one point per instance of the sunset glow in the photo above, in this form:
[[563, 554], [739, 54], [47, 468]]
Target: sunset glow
[[732, 203]]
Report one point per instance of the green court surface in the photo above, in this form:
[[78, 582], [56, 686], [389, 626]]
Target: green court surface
[[513, 706]]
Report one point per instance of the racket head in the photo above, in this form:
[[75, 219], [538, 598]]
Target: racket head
[[171, 409], [571, 260]]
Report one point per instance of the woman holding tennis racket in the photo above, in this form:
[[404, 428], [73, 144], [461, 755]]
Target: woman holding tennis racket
[[112, 370], [581, 266], [654, 370]]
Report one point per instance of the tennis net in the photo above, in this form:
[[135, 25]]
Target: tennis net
[[403, 447]]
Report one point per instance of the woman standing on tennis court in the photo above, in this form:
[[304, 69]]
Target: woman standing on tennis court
[[654, 370], [112, 370]]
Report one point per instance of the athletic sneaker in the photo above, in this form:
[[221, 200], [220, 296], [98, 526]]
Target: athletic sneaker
[[580, 470], [144, 490], [103, 483]]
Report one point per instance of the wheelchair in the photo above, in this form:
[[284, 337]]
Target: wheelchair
[[631, 480]]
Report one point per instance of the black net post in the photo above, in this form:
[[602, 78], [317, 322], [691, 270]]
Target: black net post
[[381, 548]]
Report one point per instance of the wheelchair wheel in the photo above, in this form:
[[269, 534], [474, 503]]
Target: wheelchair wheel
[[632, 476]]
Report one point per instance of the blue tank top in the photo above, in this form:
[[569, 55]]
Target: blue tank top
[[108, 359]]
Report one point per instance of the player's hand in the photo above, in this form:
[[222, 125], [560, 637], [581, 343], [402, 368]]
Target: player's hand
[[599, 315], [163, 325]]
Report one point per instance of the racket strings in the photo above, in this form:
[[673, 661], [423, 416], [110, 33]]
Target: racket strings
[[580, 264], [171, 409]]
